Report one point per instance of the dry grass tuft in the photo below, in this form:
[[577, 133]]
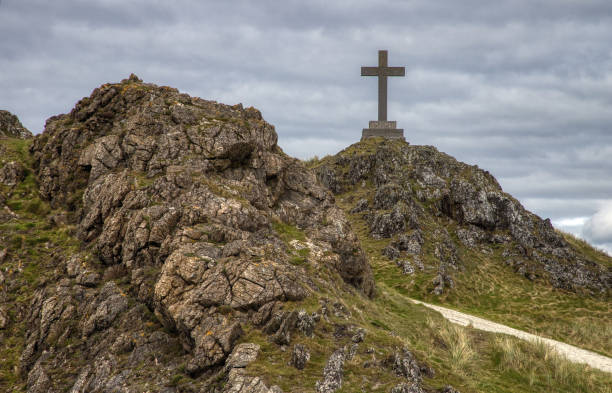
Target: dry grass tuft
[[542, 364], [457, 343]]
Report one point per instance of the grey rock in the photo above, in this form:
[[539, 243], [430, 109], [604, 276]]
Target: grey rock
[[88, 278], [361, 206], [407, 388], [38, 380], [158, 182], [11, 173], [403, 364], [4, 318], [104, 309], [429, 178], [406, 266], [442, 281], [385, 225], [238, 382], [446, 251], [242, 355], [340, 310], [300, 355], [283, 334], [332, 373], [275, 319], [11, 127], [351, 350], [418, 262], [359, 169], [410, 243], [471, 236], [419, 180], [391, 252], [388, 195], [175, 201], [327, 177], [305, 323], [73, 266], [359, 335], [264, 313], [123, 344]]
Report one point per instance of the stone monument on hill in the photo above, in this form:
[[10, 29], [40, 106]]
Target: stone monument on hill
[[383, 127]]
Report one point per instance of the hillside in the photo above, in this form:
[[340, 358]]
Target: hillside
[[155, 242], [443, 231]]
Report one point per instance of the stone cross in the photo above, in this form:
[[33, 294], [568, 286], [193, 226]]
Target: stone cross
[[383, 127], [382, 72]]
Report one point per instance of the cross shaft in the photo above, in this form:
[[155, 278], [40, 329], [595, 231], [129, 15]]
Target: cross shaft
[[382, 72]]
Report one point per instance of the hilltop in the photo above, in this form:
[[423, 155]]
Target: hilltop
[[443, 231], [153, 241]]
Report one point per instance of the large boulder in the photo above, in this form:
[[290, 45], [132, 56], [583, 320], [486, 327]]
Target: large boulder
[[193, 207]]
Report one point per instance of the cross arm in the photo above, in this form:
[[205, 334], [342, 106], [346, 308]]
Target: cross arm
[[369, 71], [386, 71], [395, 71]]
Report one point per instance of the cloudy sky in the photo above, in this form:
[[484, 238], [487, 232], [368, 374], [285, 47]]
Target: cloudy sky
[[522, 88]]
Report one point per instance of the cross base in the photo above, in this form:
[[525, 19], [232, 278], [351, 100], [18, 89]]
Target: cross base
[[383, 128]]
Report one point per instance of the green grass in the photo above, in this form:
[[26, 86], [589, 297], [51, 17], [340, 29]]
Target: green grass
[[288, 232], [30, 242], [490, 289], [470, 360], [16, 150]]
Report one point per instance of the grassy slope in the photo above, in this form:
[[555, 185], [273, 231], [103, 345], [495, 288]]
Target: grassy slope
[[470, 360], [30, 241]]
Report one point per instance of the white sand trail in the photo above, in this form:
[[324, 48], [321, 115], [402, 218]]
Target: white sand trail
[[571, 352]]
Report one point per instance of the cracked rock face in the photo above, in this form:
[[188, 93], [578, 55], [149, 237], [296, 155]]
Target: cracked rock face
[[188, 204]]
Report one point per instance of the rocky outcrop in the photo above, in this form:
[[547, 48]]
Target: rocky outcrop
[[299, 356], [186, 210], [11, 127], [333, 373], [238, 381], [11, 173], [417, 192]]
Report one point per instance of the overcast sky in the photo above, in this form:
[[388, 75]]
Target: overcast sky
[[521, 88]]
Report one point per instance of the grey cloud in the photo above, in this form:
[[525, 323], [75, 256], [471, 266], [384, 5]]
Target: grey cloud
[[521, 88], [598, 228]]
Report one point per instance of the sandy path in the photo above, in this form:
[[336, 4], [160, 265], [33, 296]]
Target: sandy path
[[572, 353]]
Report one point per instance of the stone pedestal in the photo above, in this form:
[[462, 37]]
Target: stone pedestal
[[383, 128]]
